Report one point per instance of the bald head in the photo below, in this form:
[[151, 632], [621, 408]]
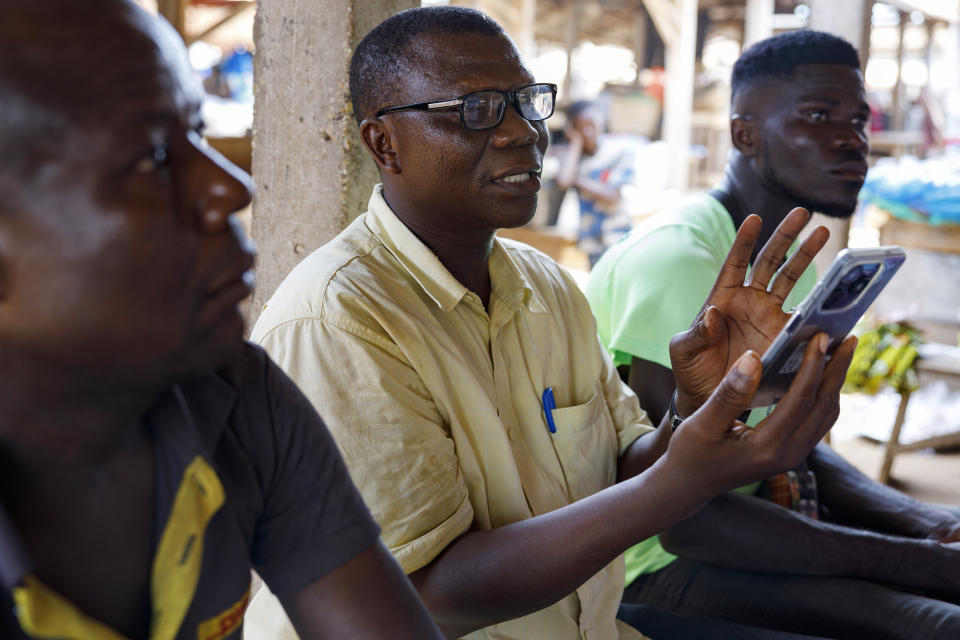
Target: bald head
[[115, 227], [61, 63]]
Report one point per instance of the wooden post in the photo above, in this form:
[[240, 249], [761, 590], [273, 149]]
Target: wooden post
[[758, 22], [175, 11], [894, 442], [528, 22], [678, 92], [866, 29], [639, 40], [574, 12], [896, 111]]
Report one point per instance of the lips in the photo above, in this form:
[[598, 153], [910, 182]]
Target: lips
[[236, 284], [521, 180], [851, 170]]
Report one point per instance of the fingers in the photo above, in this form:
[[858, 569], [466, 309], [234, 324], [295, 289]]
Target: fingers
[[707, 330], [835, 372], [737, 262], [787, 430], [695, 380], [951, 537], [771, 256], [734, 393], [789, 273], [811, 404], [827, 406]]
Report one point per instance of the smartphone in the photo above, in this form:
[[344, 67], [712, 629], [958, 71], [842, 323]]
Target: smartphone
[[834, 306]]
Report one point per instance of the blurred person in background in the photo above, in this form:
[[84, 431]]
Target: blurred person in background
[[598, 167]]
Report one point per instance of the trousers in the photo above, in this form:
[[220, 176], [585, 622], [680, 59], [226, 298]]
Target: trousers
[[832, 607]]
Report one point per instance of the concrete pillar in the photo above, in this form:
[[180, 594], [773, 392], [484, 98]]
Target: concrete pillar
[[312, 173], [758, 22], [847, 20], [681, 60]]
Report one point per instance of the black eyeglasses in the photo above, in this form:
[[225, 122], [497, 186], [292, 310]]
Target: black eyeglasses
[[485, 109]]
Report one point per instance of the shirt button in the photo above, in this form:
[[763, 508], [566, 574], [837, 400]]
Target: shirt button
[[512, 433]]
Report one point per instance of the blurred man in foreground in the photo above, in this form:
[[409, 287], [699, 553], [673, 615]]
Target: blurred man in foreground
[[148, 456]]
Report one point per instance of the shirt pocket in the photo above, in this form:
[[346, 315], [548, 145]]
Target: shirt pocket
[[586, 444]]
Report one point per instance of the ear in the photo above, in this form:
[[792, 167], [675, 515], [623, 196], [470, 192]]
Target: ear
[[378, 136], [744, 134]]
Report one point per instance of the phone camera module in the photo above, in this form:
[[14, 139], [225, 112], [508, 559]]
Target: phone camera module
[[851, 276], [851, 285], [859, 285], [870, 269]]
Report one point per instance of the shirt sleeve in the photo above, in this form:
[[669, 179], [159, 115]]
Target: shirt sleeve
[[313, 519], [391, 435], [646, 312]]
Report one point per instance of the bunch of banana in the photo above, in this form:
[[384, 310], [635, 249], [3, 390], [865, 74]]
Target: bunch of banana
[[886, 354]]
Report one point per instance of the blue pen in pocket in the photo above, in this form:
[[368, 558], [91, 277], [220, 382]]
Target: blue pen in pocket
[[549, 404]]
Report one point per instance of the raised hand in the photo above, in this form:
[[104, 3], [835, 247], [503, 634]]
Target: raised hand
[[712, 452], [741, 312]]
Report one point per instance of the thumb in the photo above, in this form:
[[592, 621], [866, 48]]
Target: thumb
[[707, 330], [733, 395]]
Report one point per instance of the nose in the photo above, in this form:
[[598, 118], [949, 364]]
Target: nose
[[515, 130], [221, 188], [850, 137]]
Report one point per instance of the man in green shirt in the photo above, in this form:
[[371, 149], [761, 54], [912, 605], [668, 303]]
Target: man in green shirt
[[798, 128]]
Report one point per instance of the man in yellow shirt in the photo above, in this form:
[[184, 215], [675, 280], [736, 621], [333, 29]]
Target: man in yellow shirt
[[462, 376]]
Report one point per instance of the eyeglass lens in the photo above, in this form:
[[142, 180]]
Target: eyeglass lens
[[484, 109], [536, 102]]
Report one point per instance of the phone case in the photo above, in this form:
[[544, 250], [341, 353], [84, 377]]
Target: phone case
[[834, 306]]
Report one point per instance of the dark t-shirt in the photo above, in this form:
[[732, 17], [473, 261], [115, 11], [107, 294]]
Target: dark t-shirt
[[290, 509]]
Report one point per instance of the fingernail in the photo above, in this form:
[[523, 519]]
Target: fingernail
[[747, 364], [824, 343]]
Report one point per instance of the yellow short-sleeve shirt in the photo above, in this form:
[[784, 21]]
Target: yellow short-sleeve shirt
[[435, 401]]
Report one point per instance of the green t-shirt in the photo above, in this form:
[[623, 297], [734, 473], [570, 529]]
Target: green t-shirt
[[649, 287]]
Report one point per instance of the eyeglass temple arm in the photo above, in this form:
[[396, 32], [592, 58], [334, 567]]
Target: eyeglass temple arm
[[421, 106]]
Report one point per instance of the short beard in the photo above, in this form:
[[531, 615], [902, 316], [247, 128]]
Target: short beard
[[839, 210]]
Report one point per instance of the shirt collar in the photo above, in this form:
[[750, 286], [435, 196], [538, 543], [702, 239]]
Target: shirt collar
[[172, 420], [507, 282]]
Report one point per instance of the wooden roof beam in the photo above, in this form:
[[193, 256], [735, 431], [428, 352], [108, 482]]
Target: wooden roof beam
[[666, 17]]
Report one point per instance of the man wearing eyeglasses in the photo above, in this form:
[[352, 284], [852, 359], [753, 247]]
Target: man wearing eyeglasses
[[462, 376]]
